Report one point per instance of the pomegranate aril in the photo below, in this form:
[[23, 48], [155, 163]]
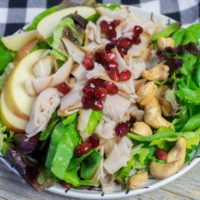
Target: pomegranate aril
[[110, 46], [99, 56], [112, 65], [114, 74], [125, 43], [161, 154], [109, 57], [87, 101], [136, 40], [88, 62], [111, 88], [104, 26], [95, 82], [88, 91], [65, 185], [100, 93], [121, 129], [94, 140], [115, 23], [83, 149], [137, 30], [98, 105], [63, 88], [125, 75], [112, 35], [122, 51]]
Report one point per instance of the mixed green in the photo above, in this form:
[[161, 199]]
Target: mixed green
[[63, 153]]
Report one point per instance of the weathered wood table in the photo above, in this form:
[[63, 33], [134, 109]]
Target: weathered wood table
[[185, 188]]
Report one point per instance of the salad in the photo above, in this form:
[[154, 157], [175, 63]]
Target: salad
[[93, 96]]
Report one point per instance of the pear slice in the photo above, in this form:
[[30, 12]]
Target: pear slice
[[17, 41], [12, 122], [47, 25], [16, 97]]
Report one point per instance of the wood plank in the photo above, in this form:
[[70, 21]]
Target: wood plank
[[185, 188]]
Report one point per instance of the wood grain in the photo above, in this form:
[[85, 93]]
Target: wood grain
[[184, 188]]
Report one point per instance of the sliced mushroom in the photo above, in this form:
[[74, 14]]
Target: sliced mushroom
[[42, 110], [152, 115], [162, 43], [73, 50], [141, 128], [175, 160], [146, 92], [137, 180], [44, 66], [119, 111], [35, 85], [159, 72]]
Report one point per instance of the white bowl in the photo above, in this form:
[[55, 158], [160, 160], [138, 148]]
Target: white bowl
[[152, 184]]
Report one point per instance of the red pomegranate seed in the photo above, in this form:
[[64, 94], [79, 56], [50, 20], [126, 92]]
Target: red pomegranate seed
[[88, 91], [94, 140], [99, 56], [87, 101], [125, 43], [137, 30], [88, 62], [104, 26], [95, 82], [161, 154], [125, 75], [112, 65], [110, 46], [115, 23], [100, 93], [121, 129], [136, 40], [114, 74], [111, 88], [83, 149], [63, 88], [122, 51], [98, 105], [65, 185], [109, 57], [112, 35]]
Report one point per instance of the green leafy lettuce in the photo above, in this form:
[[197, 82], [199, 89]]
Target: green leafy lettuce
[[6, 56]]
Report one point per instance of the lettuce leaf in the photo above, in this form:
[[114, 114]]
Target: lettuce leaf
[[90, 165], [93, 121], [39, 17], [65, 150], [6, 56]]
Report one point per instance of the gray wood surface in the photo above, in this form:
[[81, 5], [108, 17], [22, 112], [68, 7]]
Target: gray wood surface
[[185, 188]]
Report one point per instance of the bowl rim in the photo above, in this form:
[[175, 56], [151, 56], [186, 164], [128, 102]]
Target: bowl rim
[[89, 194]]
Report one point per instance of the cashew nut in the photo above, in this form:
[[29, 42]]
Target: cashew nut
[[138, 180], [152, 115], [139, 83], [141, 128], [146, 92], [159, 72], [165, 105], [162, 43], [175, 161]]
